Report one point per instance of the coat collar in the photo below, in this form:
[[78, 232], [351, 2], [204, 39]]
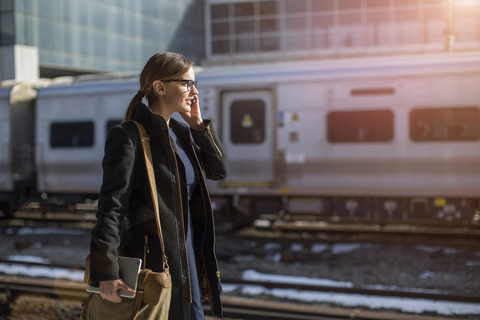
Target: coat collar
[[156, 125]]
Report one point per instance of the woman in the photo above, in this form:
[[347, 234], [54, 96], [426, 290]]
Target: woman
[[125, 218]]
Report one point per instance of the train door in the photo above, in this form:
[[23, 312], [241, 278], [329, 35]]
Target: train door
[[248, 136]]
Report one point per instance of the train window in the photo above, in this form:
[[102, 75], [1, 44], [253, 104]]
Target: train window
[[445, 124], [112, 123], [71, 134], [247, 121], [360, 126]]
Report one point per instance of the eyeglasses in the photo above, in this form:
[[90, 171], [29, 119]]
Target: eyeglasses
[[190, 83]]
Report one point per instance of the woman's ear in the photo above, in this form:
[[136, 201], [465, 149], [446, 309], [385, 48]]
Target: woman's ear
[[159, 87]]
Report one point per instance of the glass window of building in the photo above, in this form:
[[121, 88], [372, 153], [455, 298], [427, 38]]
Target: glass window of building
[[295, 6], [445, 124], [378, 28], [268, 8], [349, 4], [245, 9], [360, 126], [407, 25], [323, 31], [76, 37], [378, 4], [433, 23], [219, 11], [339, 26], [7, 23], [466, 21], [349, 33]]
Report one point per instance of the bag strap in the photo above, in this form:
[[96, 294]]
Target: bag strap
[[140, 291], [153, 187]]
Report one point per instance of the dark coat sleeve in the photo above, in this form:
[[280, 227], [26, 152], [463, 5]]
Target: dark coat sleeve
[[212, 152], [118, 177]]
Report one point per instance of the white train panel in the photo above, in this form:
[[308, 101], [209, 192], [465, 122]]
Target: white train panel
[[69, 159]]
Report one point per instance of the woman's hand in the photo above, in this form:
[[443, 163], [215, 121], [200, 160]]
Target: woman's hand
[[194, 116], [109, 290]]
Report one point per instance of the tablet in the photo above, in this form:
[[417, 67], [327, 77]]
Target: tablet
[[129, 271]]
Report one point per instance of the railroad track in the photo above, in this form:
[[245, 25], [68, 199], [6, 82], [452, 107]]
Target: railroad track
[[234, 307], [87, 220], [457, 231], [63, 219]]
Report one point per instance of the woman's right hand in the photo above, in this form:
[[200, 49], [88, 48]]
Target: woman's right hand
[[109, 290]]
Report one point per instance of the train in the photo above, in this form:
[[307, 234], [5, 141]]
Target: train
[[385, 139]]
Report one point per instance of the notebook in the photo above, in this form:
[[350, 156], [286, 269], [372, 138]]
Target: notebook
[[129, 271]]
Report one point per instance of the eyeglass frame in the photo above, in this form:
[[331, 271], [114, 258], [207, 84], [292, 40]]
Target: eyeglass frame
[[193, 82]]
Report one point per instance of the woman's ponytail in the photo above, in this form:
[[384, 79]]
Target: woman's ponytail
[[131, 109]]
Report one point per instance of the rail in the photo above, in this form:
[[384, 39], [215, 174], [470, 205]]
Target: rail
[[234, 307]]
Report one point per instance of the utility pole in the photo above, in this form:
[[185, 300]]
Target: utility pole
[[449, 36]]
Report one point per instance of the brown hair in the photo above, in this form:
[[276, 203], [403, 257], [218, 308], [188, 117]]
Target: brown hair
[[161, 66]]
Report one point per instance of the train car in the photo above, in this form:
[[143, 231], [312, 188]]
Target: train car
[[392, 139], [376, 139]]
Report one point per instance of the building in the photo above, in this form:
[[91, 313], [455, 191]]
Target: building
[[256, 30], [49, 38]]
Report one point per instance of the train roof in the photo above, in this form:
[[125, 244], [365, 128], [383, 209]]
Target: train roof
[[331, 69], [91, 85]]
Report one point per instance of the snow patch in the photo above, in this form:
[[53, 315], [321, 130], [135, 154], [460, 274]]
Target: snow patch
[[427, 274], [252, 275], [395, 288], [46, 272], [274, 257], [445, 250], [377, 302], [410, 305], [28, 230], [296, 247], [251, 244], [319, 247], [345, 247], [36, 245], [28, 259], [272, 246]]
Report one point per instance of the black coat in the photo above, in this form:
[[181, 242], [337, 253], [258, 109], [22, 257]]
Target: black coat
[[125, 209]]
